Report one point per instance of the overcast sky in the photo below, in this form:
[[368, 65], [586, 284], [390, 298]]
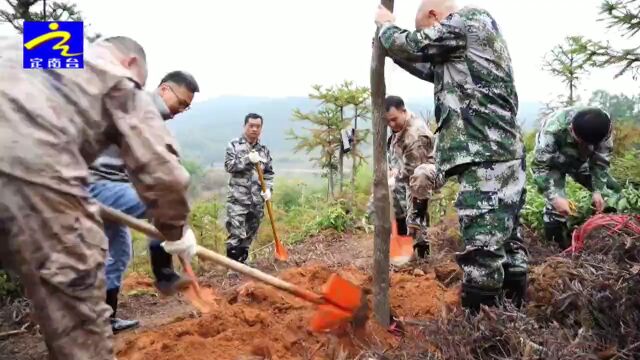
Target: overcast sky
[[282, 47]]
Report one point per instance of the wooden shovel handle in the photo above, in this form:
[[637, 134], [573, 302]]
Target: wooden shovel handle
[[148, 229], [269, 208], [107, 213]]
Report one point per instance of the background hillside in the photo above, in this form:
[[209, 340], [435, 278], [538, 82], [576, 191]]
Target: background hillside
[[204, 131]]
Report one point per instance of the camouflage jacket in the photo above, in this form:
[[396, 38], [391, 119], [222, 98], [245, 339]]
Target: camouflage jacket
[[109, 165], [411, 147], [558, 153], [56, 122], [244, 184], [466, 58], [394, 162]]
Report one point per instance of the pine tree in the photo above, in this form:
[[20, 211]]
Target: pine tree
[[569, 65], [624, 16], [323, 139], [26, 10], [352, 103]]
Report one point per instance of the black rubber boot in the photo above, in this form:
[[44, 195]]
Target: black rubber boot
[[168, 282], [238, 254], [514, 289], [472, 297], [557, 231], [421, 249], [161, 261], [420, 241], [118, 325], [402, 226]]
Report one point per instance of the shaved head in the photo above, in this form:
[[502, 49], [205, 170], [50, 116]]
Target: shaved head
[[129, 53], [431, 12]]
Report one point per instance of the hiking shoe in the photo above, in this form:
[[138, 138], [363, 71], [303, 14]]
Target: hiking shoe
[[118, 325], [173, 286]]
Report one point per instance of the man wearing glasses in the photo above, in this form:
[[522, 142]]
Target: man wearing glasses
[[110, 185]]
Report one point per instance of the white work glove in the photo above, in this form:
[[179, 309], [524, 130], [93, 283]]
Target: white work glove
[[392, 182], [266, 195], [254, 157], [185, 247]]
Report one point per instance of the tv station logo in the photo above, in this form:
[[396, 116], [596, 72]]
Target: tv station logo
[[53, 45]]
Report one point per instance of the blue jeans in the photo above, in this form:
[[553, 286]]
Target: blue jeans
[[122, 196]]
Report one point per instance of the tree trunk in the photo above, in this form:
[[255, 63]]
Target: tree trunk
[[341, 170], [331, 183], [382, 231], [341, 164], [354, 153], [354, 156], [571, 83]]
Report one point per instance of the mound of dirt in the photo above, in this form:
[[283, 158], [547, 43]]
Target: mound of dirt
[[136, 282], [257, 321]]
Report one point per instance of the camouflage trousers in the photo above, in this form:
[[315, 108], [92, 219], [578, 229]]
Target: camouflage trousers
[[417, 221], [399, 195], [242, 224], [489, 203], [55, 243]]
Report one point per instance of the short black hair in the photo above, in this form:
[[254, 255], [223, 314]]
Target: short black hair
[[127, 46], [253, 116], [591, 125], [181, 78], [393, 101]]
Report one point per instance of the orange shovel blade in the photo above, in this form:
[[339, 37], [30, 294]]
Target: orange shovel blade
[[201, 300], [328, 317], [281, 251], [400, 247], [343, 301], [342, 293]]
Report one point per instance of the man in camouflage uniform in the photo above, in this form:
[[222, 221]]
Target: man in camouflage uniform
[[412, 145], [111, 186], [463, 53], [398, 192], [245, 200], [575, 141], [54, 123]]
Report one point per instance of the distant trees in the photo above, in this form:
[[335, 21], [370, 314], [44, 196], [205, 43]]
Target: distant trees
[[340, 109], [620, 107]]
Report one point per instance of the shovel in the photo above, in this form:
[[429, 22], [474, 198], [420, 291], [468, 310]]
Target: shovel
[[194, 292], [281, 252], [340, 302], [400, 246]]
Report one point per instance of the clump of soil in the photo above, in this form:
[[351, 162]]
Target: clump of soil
[[136, 282], [257, 321]]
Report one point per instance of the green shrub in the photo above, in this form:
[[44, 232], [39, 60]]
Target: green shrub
[[334, 217], [442, 203], [205, 222], [9, 287], [625, 168]]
